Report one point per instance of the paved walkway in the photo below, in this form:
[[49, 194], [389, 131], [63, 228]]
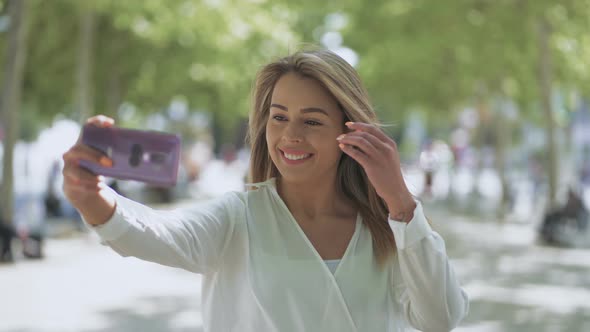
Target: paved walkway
[[515, 283], [81, 286]]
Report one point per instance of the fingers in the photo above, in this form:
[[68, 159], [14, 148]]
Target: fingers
[[101, 121], [79, 183], [366, 142], [79, 174], [84, 152], [355, 154], [365, 127], [82, 192]]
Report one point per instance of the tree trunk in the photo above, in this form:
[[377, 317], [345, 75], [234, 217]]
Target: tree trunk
[[114, 94], [85, 60], [11, 98], [502, 134], [545, 79]]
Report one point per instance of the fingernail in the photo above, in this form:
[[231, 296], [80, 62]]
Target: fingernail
[[349, 123], [340, 137], [106, 162], [341, 146]]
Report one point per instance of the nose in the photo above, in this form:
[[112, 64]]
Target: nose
[[293, 133]]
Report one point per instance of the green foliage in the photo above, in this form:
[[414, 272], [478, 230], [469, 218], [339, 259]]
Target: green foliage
[[148, 52], [414, 54], [439, 54]]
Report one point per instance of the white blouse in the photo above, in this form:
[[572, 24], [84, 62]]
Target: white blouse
[[332, 264], [261, 273]]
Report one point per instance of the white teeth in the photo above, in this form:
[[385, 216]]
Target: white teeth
[[296, 157]]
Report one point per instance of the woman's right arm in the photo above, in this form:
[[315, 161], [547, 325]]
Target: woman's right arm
[[192, 239]]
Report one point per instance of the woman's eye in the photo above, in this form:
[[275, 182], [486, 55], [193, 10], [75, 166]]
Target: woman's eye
[[279, 118], [313, 123]]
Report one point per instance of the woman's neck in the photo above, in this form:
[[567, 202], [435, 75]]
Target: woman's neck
[[314, 199]]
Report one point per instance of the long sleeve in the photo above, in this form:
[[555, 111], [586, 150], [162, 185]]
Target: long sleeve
[[429, 291], [193, 239]]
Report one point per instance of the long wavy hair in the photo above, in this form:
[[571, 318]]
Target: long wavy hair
[[344, 84]]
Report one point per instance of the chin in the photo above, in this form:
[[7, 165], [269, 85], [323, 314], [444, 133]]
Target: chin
[[293, 176], [303, 177]]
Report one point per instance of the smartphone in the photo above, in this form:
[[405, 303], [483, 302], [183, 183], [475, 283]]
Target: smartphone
[[147, 156]]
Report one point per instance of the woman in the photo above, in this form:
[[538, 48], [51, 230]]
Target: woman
[[310, 246]]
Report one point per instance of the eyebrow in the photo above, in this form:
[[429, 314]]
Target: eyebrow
[[304, 110]]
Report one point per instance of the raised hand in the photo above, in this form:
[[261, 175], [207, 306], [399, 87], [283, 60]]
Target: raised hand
[[85, 190], [379, 157]]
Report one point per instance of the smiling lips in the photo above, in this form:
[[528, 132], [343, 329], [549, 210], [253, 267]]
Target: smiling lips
[[295, 157]]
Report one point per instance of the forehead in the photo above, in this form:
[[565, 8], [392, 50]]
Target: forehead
[[295, 91]]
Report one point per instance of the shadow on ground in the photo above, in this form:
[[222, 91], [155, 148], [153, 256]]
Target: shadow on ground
[[514, 282], [152, 314]]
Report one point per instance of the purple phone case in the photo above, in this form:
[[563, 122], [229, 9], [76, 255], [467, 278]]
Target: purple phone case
[[147, 156]]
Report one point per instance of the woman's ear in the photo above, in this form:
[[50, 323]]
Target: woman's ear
[[345, 128]]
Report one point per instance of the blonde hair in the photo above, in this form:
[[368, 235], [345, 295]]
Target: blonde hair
[[344, 84]]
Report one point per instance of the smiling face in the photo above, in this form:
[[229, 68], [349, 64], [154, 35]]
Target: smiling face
[[301, 131]]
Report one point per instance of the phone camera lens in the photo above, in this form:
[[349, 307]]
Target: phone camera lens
[[136, 155]]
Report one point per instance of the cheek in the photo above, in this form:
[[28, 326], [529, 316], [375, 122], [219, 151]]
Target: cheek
[[270, 136], [272, 127], [330, 149], [271, 141]]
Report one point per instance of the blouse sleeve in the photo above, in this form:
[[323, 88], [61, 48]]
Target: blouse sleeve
[[193, 239], [428, 290]]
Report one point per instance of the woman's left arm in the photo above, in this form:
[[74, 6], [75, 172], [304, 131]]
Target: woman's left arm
[[431, 296]]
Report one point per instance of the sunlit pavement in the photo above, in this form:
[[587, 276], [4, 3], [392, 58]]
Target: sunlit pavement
[[82, 286], [514, 285]]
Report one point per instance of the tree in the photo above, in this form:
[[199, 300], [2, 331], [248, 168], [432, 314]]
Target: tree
[[438, 56], [148, 53], [11, 97], [85, 88]]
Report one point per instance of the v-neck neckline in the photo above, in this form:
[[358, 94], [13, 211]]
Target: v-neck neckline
[[319, 259]]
